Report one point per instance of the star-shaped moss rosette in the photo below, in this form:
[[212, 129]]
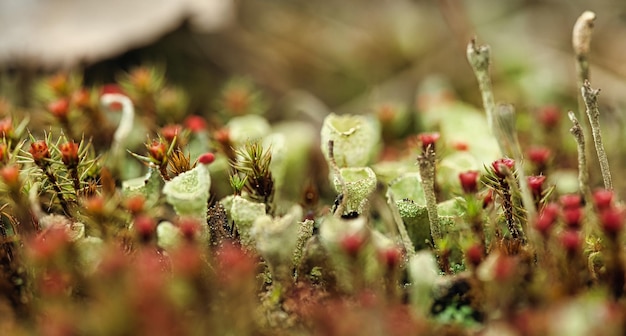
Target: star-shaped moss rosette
[[253, 164], [356, 139]]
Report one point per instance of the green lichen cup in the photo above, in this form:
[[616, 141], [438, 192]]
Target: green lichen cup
[[355, 139]]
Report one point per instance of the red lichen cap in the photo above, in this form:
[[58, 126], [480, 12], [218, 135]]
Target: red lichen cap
[[571, 201], [428, 139], [59, 108], [474, 254], [573, 217], [536, 184], [539, 155], [352, 243], [145, 226], [571, 240], [170, 132], [113, 89], [195, 123], [497, 166], [189, 227], [551, 209], [206, 158], [544, 223], [469, 181], [390, 257], [612, 221], [603, 199], [550, 116], [69, 153], [546, 219]]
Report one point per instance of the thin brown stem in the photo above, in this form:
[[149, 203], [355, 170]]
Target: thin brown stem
[[163, 171], [75, 180], [507, 205], [57, 189]]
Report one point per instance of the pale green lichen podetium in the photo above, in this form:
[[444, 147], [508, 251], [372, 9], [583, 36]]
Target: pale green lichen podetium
[[276, 239], [583, 172], [243, 213], [405, 197], [305, 232], [118, 147], [356, 184], [356, 139], [423, 274], [188, 192], [479, 59], [426, 163], [248, 128], [590, 96], [581, 43]]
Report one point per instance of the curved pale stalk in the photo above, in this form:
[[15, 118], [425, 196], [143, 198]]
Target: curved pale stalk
[[123, 129]]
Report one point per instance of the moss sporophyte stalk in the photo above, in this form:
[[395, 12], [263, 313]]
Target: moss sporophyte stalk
[[121, 212]]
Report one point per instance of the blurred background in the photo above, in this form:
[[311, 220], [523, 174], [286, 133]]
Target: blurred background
[[345, 53]]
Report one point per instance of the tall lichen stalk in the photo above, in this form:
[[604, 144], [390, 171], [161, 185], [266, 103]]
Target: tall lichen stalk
[[426, 163], [479, 59], [583, 172], [590, 96], [581, 42]]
